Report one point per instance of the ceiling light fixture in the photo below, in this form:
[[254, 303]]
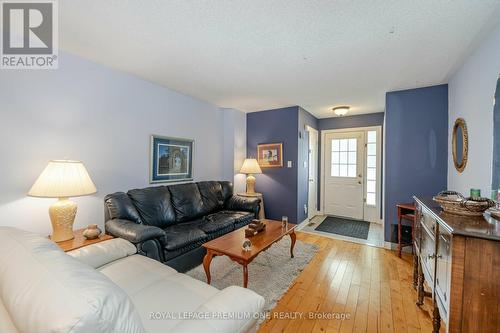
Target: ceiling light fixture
[[341, 110]]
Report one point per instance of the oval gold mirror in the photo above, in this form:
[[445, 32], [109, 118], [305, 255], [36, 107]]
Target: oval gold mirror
[[460, 144]]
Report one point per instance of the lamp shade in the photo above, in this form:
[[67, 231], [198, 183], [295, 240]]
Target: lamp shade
[[62, 179], [250, 166]]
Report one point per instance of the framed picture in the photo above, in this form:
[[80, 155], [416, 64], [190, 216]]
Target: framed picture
[[171, 159], [270, 155]]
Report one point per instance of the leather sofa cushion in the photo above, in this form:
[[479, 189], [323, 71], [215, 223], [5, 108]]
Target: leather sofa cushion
[[171, 254], [232, 299], [154, 205], [241, 218], [120, 206], [187, 201], [227, 190], [46, 290], [211, 194], [6, 324], [184, 234], [155, 287], [216, 222]]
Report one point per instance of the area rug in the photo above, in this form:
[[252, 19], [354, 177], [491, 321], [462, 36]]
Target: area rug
[[345, 227], [270, 274]]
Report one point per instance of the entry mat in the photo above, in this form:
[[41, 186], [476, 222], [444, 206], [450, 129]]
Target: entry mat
[[345, 227]]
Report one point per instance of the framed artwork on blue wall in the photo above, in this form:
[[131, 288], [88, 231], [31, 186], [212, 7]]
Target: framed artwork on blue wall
[[171, 159], [270, 155]]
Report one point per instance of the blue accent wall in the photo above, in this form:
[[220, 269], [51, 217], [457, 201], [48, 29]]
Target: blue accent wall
[[416, 146], [278, 185], [305, 119]]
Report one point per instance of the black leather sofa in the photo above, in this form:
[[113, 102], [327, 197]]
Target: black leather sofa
[[170, 223]]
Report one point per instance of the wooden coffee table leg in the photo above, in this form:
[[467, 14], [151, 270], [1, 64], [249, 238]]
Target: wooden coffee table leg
[[206, 264], [245, 276], [294, 238]]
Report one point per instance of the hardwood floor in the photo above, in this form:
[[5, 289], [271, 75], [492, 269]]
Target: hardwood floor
[[370, 286]]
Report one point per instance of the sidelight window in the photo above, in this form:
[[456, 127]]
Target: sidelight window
[[371, 168]]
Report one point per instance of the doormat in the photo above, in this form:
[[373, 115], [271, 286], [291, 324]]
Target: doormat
[[345, 227]]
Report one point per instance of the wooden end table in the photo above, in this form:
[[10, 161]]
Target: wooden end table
[[231, 245], [80, 241]]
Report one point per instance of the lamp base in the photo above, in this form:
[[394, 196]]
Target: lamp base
[[250, 184], [62, 216]]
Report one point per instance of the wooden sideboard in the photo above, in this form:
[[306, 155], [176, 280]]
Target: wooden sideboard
[[458, 258]]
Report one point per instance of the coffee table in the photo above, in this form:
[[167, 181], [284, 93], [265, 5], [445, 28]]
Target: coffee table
[[230, 245]]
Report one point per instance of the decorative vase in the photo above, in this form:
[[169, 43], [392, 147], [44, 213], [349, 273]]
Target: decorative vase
[[92, 231]]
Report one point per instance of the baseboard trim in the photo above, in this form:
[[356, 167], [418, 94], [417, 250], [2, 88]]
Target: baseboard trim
[[302, 224]]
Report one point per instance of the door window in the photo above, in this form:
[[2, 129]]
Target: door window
[[343, 163]]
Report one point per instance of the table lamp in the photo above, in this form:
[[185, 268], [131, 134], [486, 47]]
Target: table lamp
[[250, 167], [63, 179]]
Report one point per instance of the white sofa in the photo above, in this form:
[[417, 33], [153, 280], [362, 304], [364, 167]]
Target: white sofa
[[106, 287]]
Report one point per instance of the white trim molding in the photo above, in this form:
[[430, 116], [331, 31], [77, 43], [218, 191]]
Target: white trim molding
[[380, 185]]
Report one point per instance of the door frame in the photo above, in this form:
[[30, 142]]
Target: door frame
[[312, 211], [379, 166]]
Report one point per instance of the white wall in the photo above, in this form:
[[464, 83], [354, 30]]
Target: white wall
[[234, 147], [103, 117], [471, 91]]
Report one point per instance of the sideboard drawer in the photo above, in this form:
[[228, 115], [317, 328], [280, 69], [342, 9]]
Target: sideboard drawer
[[443, 309], [428, 221], [443, 267], [427, 257], [417, 233]]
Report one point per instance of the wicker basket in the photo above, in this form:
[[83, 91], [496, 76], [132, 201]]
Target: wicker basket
[[457, 204]]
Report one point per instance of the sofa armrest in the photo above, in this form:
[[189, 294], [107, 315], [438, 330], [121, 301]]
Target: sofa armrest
[[242, 307], [102, 253], [133, 232], [248, 204]]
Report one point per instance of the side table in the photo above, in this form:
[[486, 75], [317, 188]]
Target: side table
[[80, 241], [262, 214], [406, 211]]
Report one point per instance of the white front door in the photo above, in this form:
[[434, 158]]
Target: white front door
[[344, 165], [313, 173]]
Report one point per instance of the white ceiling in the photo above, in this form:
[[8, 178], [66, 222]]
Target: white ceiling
[[261, 54]]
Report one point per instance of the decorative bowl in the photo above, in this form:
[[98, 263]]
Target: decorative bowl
[[456, 203]]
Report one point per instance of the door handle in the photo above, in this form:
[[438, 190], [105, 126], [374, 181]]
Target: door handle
[[359, 182], [434, 256]]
